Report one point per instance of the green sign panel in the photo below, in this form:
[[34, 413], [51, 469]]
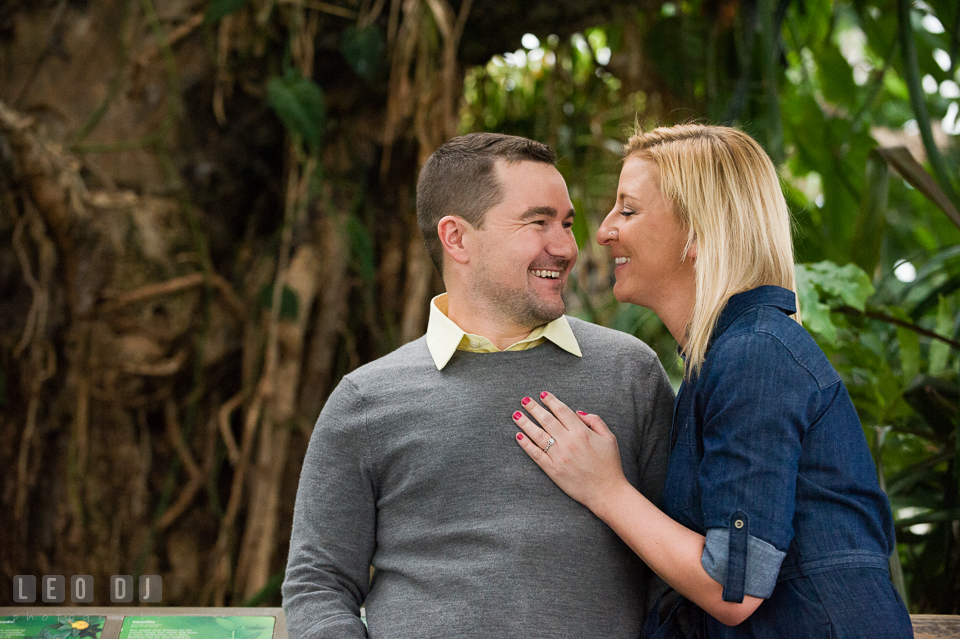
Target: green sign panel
[[52, 627], [196, 627]]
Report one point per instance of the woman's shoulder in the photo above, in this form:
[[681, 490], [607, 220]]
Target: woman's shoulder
[[766, 338]]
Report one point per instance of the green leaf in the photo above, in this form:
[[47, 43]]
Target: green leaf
[[823, 285], [844, 284], [581, 232], [940, 351], [289, 302], [909, 353], [219, 9], [936, 400], [871, 218], [836, 76], [363, 49], [815, 314], [298, 102], [938, 277], [361, 245]]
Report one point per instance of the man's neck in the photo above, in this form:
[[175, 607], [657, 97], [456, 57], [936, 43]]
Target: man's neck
[[477, 320]]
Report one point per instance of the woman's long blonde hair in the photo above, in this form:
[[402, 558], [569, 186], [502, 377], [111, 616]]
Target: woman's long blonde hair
[[727, 193]]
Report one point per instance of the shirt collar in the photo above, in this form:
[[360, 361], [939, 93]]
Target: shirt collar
[[443, 334], [782, 298]]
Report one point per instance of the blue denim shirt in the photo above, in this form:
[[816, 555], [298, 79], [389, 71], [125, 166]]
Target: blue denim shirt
[[770, 463]]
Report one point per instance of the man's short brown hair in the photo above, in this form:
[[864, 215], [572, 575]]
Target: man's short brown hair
[[459, 179]]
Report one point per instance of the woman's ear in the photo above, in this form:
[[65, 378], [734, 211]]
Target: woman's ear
[[692, 249], [452, 231]]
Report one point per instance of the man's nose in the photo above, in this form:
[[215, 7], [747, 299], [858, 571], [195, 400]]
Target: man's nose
[[562, 243]]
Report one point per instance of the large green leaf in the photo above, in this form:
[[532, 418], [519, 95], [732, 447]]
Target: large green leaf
[[219, 9], [824, 284], [289, 301], [816, 314], [363, 49], [909, 343], [835, 75], [871, 218], [299, 104], [936, 400], [846, 284], [581, 231], [938, 277], [361, 249], [940, 351]]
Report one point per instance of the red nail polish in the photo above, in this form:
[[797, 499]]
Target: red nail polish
[[519, 437], [580, 412], [525, 401], [543, 394], [517, 415]]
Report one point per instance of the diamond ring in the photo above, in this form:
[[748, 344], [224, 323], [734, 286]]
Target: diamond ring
[[550, 442]]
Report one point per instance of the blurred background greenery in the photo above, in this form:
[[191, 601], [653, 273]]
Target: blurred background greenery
[[268, 150]]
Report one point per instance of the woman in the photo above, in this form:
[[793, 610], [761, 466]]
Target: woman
[[773, 522]]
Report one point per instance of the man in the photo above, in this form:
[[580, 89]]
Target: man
[[413, 467]]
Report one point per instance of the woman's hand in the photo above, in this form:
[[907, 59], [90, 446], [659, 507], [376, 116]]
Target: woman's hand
[[583, 459]]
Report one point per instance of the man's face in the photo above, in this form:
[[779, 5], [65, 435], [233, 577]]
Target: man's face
[[525, 250]]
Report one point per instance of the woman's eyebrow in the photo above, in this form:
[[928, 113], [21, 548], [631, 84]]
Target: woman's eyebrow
[[624, 196]]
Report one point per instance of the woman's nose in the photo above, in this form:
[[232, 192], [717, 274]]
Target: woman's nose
[[607, 231]]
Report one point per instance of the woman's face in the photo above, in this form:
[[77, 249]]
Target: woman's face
[[647, 241]]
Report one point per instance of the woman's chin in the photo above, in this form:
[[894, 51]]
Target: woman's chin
[[623, 296]]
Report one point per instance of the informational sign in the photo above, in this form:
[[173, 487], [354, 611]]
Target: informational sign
[[52, 627], [196, 627]]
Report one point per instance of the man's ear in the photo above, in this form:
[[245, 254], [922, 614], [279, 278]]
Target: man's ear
[[452, 231]]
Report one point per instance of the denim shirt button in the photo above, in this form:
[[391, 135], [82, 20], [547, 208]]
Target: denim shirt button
[[738, 523]]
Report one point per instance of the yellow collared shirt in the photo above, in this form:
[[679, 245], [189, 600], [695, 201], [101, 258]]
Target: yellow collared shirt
[[444, 337]]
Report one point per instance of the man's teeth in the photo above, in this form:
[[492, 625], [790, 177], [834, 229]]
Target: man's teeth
[[620, 260], [551, 274]]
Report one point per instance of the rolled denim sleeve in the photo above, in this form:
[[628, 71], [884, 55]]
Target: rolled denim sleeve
[[762, 564], [756, 402]]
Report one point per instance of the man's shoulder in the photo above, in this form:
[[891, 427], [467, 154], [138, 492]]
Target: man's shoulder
[[594, 339], [406, 361]]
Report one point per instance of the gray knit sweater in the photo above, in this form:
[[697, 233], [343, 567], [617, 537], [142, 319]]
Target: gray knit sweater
[[416, 472]]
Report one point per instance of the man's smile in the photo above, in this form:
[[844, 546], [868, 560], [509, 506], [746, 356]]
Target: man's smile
[[553, 275]]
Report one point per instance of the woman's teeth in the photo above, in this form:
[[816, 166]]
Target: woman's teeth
[[620, 260]]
